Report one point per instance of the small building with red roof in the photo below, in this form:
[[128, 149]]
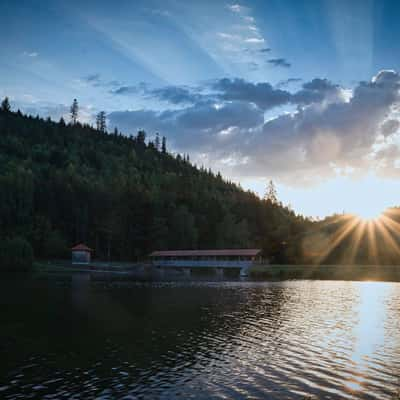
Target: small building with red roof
[[81, 254]]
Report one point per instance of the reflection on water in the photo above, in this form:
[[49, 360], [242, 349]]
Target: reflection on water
[[79, 339]]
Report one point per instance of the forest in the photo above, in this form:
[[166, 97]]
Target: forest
[[123, 195]]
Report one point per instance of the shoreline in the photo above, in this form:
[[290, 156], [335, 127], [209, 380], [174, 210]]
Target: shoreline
[[274, 272]]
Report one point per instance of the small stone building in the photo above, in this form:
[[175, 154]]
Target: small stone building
[[81, 254]]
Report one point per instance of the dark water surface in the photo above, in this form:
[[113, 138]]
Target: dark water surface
[[78, 339]]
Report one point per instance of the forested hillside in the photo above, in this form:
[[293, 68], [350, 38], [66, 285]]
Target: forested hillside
[[61, 184]]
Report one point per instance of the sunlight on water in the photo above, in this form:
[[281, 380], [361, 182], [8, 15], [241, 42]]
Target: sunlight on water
[[287, 340]]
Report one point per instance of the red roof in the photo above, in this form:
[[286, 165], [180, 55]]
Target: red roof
[[81, 247], [207, 253]]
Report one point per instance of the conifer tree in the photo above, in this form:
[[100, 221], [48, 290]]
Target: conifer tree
[[157, 142], [74, 112], [101, 121], [141, 137], [5, 105], [270, 194], [164, 145]]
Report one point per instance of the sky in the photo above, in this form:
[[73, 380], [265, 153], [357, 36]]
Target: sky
[[305, 93]]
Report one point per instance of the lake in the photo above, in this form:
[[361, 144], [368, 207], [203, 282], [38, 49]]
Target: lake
[[73, 338]]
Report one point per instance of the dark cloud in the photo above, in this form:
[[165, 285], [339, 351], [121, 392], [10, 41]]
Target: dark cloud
[[93, 78], [316, 140], [197, 127], [287, 82], [390, 127], [97, 81], [327, 133], [125, 90], [265, 50], [316, 91], [140, 88], [262, 94], [279, 62], [176, 95]]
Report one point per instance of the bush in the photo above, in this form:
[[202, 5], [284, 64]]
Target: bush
[[55, 246], [16, 254]]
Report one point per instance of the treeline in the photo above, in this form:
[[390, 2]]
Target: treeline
[[347, 239], [125, 196]]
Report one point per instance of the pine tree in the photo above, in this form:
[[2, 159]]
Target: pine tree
[[270, 194], [101, 121], [74, 112], [5, 105], [157, 142], [141, 137], [164, 145]]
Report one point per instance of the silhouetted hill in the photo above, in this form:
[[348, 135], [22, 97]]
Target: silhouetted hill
[[62, 184]]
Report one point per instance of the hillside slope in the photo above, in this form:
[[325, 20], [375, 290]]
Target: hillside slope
[[61, 184]]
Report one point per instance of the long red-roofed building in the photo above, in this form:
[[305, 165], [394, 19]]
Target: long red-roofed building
[[221, 258]]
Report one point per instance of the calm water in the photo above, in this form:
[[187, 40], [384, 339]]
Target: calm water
[[76, 339]]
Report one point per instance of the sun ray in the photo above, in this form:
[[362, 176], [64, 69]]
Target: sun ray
[[357, 236], [387, 236], [338, 236], [372, 245]]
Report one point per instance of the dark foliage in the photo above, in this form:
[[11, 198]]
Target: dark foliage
[[66, 183], [16, 255]]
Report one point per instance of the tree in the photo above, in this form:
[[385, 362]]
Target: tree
[[16, 254], [5, 105], [74, 112], [164, 145], [157, 142], [270, 194], [101, 121], [141, 137], [183, 233]]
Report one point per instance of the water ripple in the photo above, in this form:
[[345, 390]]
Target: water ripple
[[239, 340]]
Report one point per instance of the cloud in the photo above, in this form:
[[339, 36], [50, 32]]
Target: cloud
[[287, 82], [139, 89], [261, 94], [236, 8], [195, 128], [255, 40], [316, 91], [96, 80], [389, 127], [265, 50], [176, 95], [31, 54], [317, 140], [124, 90], [328, 133], [279, 62]]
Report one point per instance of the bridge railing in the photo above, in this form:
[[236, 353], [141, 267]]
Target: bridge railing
[[203, 263]]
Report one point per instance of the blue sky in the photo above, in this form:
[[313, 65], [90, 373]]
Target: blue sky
[[301, 92]]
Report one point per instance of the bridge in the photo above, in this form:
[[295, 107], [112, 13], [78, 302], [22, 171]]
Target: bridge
[[241, 259]]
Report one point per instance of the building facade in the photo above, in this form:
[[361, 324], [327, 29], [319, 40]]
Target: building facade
[[226, 258], [81, 254]]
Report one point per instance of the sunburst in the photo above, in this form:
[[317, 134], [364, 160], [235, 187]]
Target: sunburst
[[376, 235]]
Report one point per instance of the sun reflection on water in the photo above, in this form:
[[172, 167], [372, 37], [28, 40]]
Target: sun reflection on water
[[369, 329]]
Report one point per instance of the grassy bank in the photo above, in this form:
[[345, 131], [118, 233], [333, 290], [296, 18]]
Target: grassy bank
[[329, 272]]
